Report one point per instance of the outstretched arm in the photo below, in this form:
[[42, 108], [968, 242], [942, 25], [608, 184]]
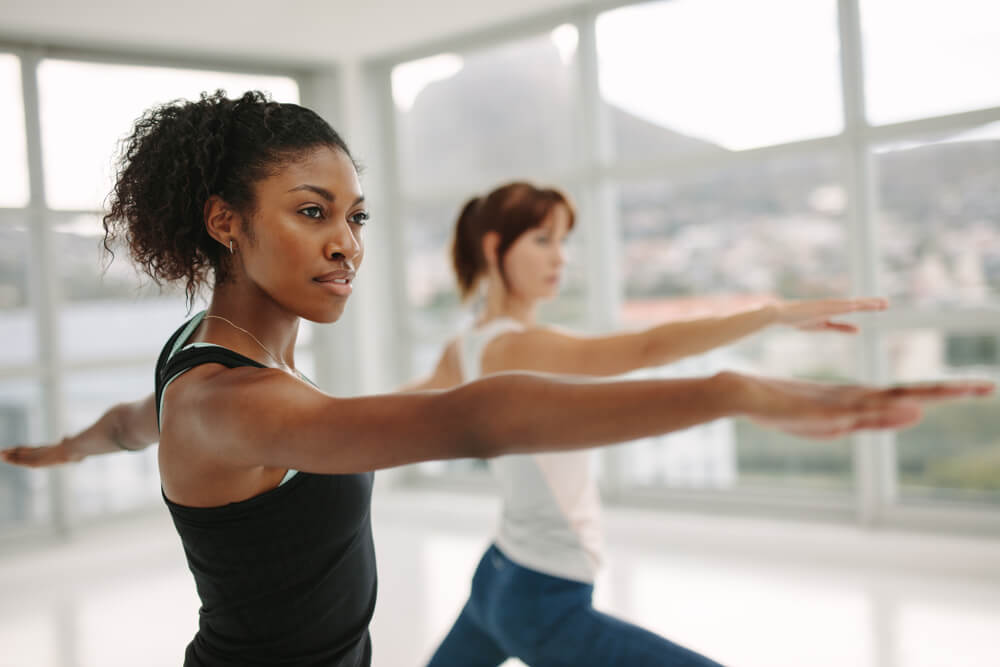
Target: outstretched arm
[[126, 426], [553, 351], [251, 417]]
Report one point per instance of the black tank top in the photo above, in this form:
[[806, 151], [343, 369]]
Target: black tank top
[[286, 577]]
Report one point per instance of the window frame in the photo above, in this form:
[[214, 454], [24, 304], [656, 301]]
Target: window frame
[[875, 499], [49, 369]]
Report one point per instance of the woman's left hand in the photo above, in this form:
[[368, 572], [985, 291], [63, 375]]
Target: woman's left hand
[[815, 314]]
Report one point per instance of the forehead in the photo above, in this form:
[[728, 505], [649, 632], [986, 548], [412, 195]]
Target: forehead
[[324, 167], [558, 217]]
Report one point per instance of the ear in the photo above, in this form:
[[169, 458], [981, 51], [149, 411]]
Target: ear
[[220, 220], [491, 244]]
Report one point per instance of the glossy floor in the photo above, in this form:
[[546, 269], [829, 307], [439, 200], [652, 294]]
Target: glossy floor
[[121, 595]]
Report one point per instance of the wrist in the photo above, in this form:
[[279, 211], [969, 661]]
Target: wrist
[[734, 391], [69, 452], [771, 313]]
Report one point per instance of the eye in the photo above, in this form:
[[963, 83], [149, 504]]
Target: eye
[[314, 212], [360, 218]]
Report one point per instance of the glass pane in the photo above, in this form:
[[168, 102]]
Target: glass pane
[[114, 482], [112, 313], [14, 156], [728, 454], [24, 495], [929, 58], [954, 453], [436, 312], [17, 322], [484, 117], [724, 241], [78, 165], [761, 229], [939, 230], [708, 76]]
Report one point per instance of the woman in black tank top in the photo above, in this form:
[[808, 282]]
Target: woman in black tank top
[[267, 478]]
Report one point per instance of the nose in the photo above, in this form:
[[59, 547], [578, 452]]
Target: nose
[[560, 258], [343, 244]]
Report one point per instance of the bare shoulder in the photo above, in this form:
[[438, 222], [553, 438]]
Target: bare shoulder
[[210, 404], [448, 372], [529, 349], [211, 417]]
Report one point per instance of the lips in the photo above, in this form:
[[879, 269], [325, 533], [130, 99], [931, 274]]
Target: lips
[[338, 282]]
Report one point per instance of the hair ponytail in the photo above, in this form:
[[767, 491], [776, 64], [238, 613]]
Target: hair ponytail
[[467, 249], [509, 211]]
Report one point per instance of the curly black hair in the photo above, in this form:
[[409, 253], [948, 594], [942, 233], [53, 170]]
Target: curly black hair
[[180, 154]]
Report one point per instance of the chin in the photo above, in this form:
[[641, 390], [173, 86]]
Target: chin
[[326, 315]]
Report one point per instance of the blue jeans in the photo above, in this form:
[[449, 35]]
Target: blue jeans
[[547, 621]]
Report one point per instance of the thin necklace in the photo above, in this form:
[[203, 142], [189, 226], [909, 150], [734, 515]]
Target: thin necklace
[[262, 346]]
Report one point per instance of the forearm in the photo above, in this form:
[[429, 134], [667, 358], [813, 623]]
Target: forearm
[[676, 340], [521, 413], [122, 427]]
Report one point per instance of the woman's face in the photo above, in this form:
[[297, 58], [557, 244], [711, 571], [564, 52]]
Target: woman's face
[[304, 244], [534, 263]]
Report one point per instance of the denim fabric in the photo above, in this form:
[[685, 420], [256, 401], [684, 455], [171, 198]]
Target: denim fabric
[[547, 621]]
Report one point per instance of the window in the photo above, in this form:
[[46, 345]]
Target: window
[[78, 164], [939, 224], [760, 229], [707, 77], [481, 118], [17, 322], [929, 58], [466, 124], [24, 497], [109, 317], [732, 180], [954, 453], [105, 484], [102, 294], [13, 157]]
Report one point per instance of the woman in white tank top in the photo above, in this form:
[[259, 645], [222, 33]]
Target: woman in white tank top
[[531, 595]]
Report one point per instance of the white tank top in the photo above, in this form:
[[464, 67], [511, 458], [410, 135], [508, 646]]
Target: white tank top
[[551, 518]]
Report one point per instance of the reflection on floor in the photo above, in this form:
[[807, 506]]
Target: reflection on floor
[[120, 594]]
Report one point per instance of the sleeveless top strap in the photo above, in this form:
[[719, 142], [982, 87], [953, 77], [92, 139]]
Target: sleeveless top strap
[[473, 343], [175, 360]]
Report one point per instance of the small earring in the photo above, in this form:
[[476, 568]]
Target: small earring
[[230, 246]]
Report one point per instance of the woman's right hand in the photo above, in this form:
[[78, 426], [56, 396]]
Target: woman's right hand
[[40, 456], [825, 411]]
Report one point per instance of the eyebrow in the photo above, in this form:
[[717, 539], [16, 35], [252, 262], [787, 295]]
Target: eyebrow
[[323, 192]]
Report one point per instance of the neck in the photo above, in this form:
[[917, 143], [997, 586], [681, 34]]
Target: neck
[[501, 303], [274, 328]]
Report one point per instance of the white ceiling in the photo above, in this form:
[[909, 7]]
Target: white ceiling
[[282, 31]]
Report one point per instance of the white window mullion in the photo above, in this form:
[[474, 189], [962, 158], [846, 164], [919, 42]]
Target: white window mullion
[[874, 453], [43, 287]]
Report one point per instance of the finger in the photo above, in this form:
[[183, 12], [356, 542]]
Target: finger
[[840, 327], [871, 304], [897, 417], [836, 306], [10, 454], [938, 391], [25, 456]]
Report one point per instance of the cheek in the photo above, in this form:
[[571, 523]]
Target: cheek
[[525, 268], [361, 250]]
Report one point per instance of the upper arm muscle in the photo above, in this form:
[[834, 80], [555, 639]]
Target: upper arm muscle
[[252, 417], [551, 351]]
